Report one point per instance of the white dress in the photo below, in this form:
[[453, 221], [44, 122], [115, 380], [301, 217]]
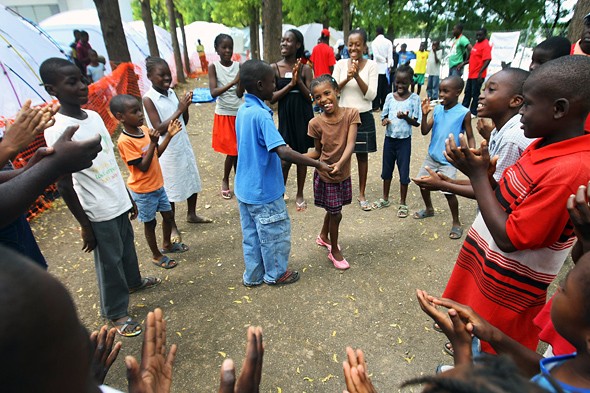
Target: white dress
[[179, 167]]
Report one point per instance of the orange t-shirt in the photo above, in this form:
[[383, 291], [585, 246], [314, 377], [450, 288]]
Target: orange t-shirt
[[133, 148]]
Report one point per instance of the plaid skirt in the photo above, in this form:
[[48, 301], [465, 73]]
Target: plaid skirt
[[331, 196]]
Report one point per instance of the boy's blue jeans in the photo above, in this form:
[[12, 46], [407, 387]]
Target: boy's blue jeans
[[432, 87], [266, 232]]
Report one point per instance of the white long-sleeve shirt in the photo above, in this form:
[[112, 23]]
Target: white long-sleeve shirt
[[382, 53]]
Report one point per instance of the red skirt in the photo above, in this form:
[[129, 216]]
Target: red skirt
[[224, 135]]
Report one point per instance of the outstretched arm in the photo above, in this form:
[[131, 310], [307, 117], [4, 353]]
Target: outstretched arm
[[66, 156], [290, 155], [526, 360]]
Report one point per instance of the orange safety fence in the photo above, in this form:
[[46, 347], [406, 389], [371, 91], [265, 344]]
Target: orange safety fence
[[123, 80]]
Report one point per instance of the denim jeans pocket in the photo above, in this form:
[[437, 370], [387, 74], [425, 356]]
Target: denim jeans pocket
[[274, 227]]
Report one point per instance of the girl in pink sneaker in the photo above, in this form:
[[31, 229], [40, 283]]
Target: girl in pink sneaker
[[334, 133]]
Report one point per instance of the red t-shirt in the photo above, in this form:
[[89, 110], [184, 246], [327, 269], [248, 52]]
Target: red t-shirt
[[322, 58], [480, 52]]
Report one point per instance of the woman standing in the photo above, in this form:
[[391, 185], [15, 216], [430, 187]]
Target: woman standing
[[357, 79], [295, 110]]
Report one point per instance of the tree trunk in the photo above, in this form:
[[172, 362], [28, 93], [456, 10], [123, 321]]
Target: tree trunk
[[390, 18], [146, 16], [574, 32], [254, 13], [112, 31], [187, 62], [272, 21], [345, 19], [174, 37]]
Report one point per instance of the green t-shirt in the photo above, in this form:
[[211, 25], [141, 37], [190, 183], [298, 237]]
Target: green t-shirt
[[460, 46]]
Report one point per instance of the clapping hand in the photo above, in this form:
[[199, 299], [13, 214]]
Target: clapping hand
[[174, 127], [469, 161], [154, 375], [356, 375], [105, 352], [185, 101], [249, 379], [426, 106]]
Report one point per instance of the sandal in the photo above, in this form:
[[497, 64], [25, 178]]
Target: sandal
[[380, 204], [178, 247], [365, 205], [128, 328], [166, 263], [289, 277], [301, 207], [146, 283], [449, 349], [402, 211], [419, 215], [226, 194], [436, 328], [456, 233]]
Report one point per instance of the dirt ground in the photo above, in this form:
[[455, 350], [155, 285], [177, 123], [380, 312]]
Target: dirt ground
[[306, 325]]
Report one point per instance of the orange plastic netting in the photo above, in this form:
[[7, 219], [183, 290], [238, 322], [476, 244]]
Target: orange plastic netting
[[123, 80]]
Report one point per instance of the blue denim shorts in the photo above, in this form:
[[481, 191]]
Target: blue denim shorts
[[150, 203]]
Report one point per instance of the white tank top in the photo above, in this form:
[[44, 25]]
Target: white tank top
[[227, 103]]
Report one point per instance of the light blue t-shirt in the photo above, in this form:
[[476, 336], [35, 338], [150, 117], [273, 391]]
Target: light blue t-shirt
[[542, 379], [259, 177], [399, 128], [445, 122]]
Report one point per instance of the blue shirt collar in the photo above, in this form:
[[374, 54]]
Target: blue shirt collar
[[252, 100]]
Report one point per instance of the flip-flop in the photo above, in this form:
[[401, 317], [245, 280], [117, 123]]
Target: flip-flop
[[436, 328], [456, 233], [146, 283], [289, 277], [365, 205], [301, 207], [128, 323], [226, 194], [166, 263], [175, 248], [420, 214], [380, 204]]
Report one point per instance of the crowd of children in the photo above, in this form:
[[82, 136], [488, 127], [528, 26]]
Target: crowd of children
[[529, 183]]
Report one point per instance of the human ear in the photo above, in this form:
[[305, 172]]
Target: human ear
[[516, 101], [50, 89], [561, 107]]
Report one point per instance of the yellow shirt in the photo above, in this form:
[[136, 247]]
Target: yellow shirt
[[421, 57]]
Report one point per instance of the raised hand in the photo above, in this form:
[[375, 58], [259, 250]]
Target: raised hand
[[249, 379], [185, 102], [25, 128], [356, 375], [426, 106], [352, 69], [155, 373], [105, 352], [174, 127], [155, 135], [485, 128]]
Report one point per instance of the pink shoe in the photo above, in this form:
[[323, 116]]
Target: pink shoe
[[320, 242], [342, 265]]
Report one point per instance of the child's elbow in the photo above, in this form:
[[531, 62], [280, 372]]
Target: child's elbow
[[506, 246]]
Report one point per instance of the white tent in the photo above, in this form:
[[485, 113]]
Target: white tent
[[62, 25], [206, 32], [23, 47], [312, 31]]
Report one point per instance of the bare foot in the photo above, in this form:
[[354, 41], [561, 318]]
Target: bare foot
[[195, 219]]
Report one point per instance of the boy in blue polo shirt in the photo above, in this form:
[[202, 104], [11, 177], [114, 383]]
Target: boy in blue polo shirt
[[259, 185], [448, 118]]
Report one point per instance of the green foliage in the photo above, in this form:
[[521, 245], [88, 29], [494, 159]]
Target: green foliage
[[425, 18]]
